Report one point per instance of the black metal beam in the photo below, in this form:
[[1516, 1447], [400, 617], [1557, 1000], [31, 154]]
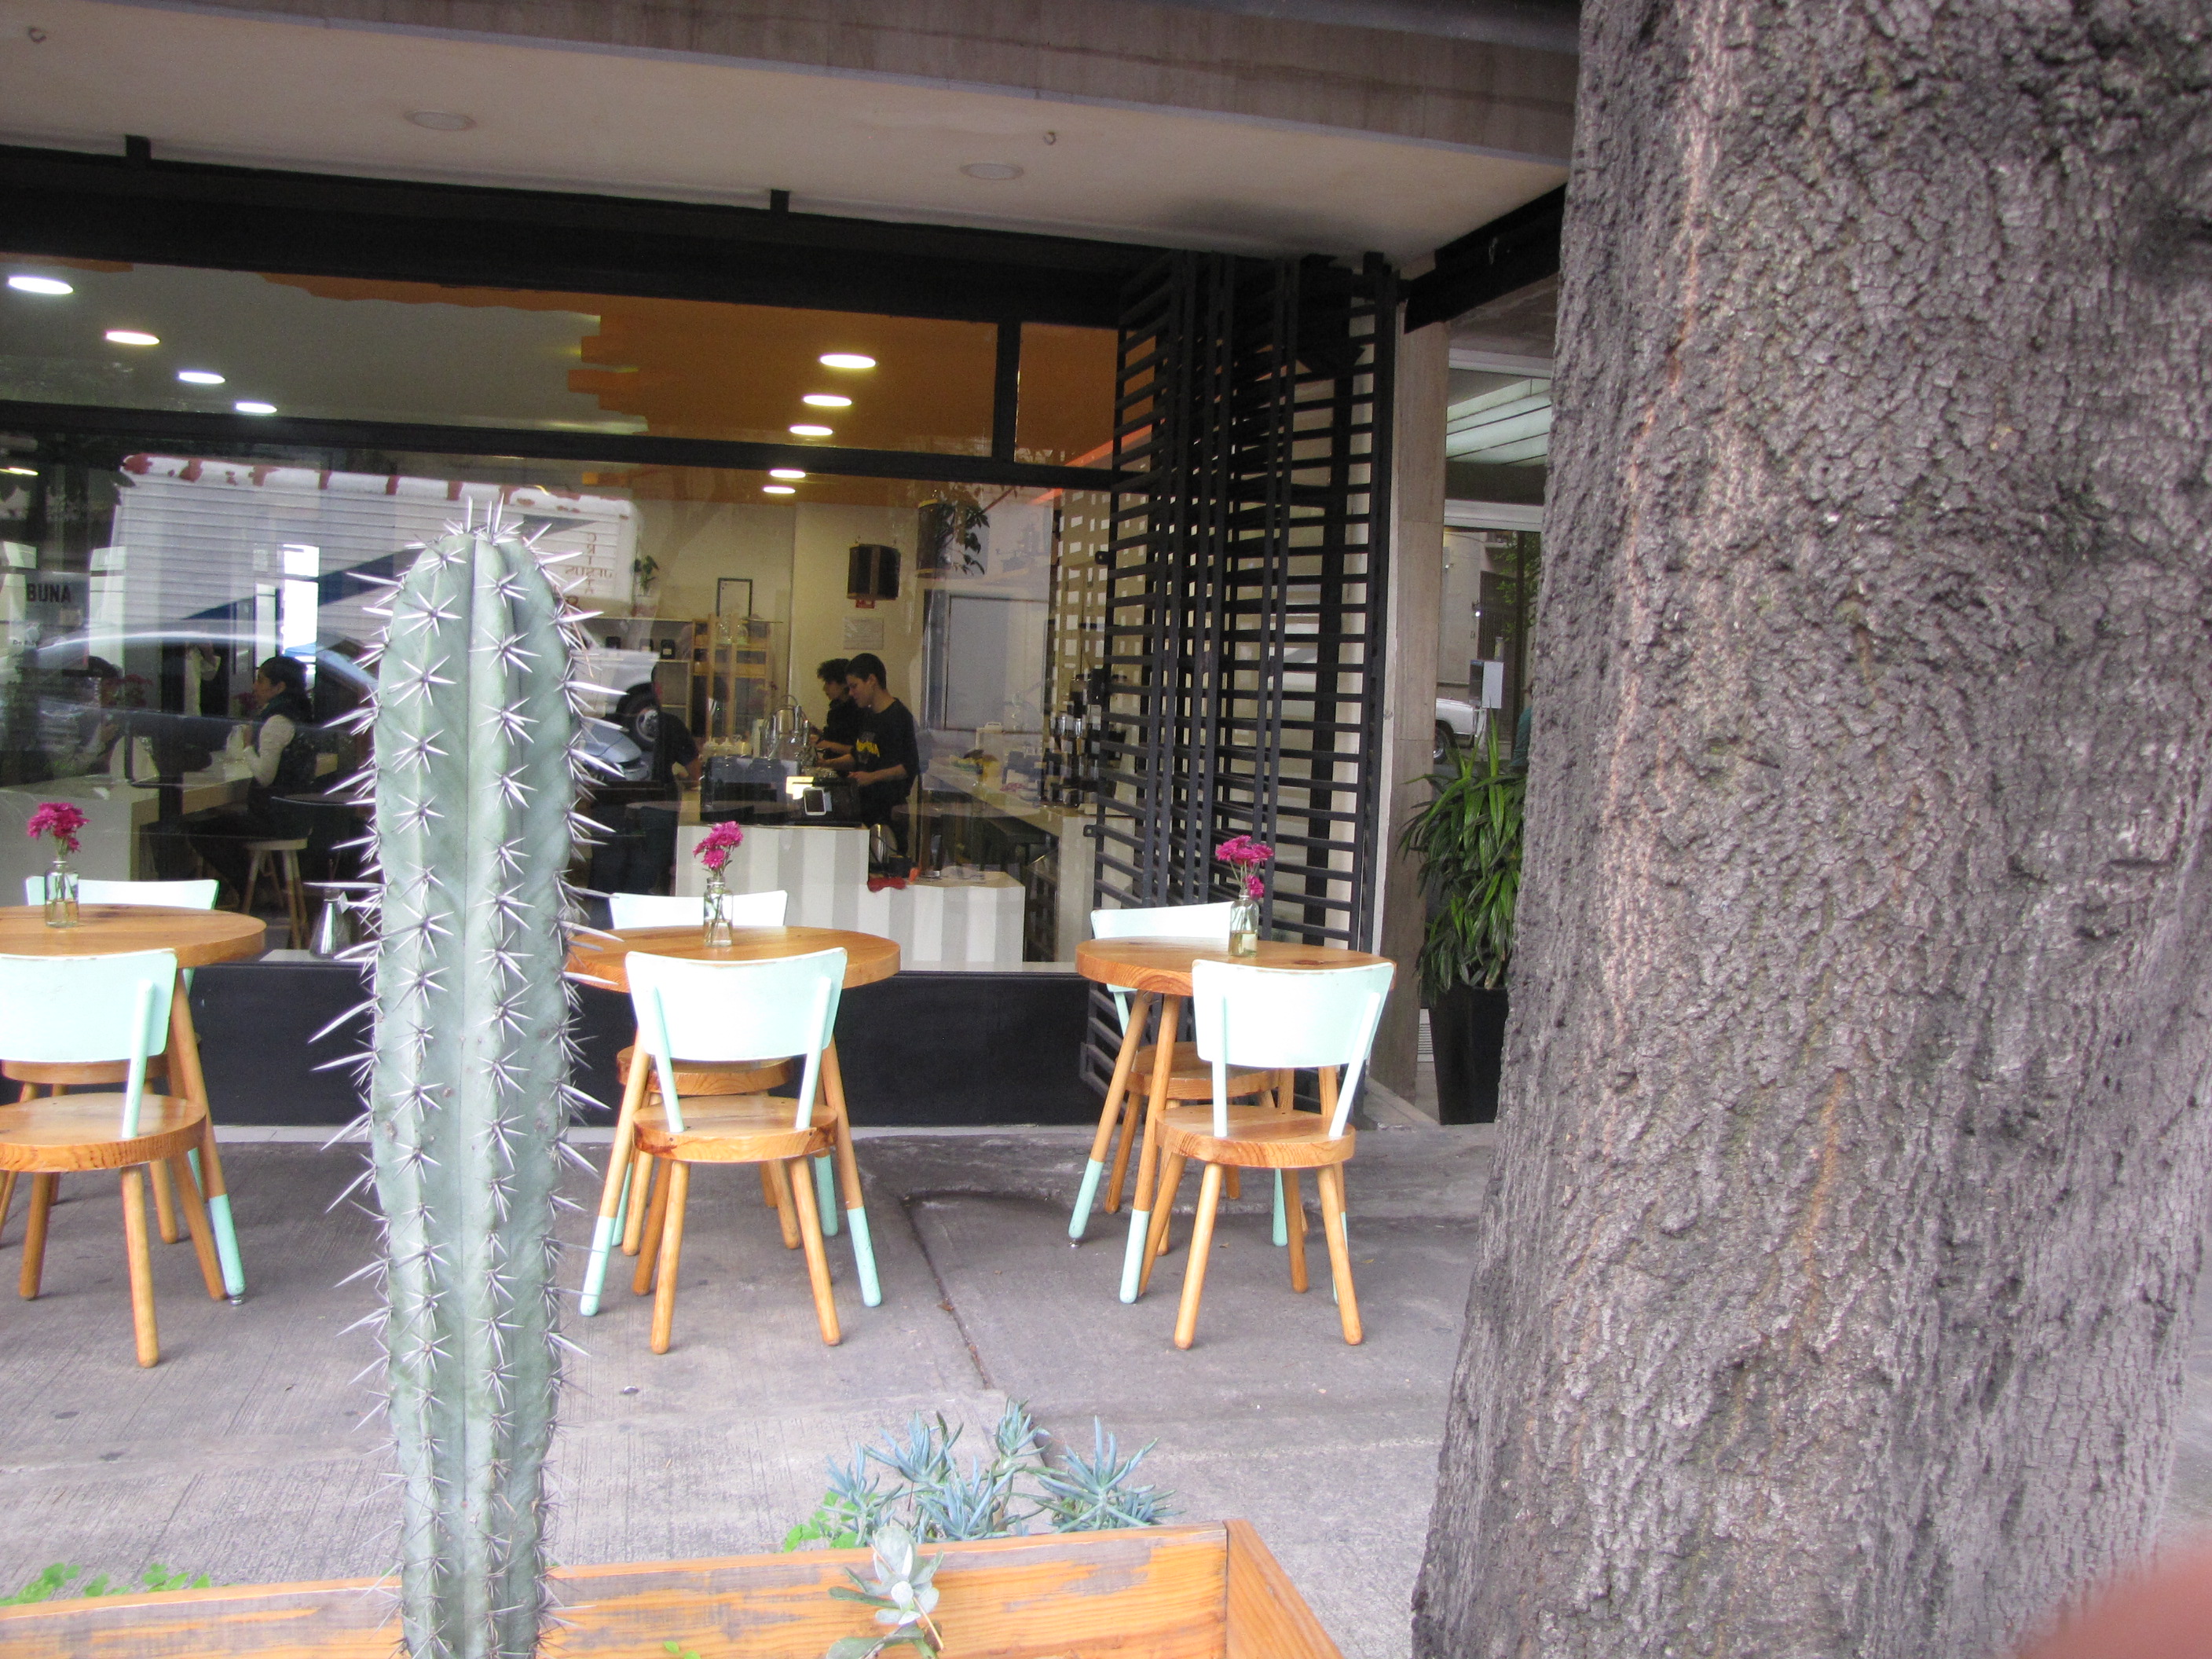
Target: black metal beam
[[1509, 253], [1006, 393], [231, 432], [73, 204]]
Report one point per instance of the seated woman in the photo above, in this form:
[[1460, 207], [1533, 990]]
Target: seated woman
[[282, 758]]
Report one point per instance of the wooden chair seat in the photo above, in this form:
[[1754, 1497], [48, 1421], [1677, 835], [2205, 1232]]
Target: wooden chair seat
[[1190, 1078], [81, 1132], [1260, 1138], [719, 1076], [733, 1129], [81, 1073]]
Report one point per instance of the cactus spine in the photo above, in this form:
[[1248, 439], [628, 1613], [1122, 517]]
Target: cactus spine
[[469, 1089]]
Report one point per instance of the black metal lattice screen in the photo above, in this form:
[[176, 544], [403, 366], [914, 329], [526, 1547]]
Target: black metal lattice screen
[[1244, 605]]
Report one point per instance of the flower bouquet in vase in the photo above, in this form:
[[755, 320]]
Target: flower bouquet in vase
[[1245, 855], [714, 851], [61, 821]]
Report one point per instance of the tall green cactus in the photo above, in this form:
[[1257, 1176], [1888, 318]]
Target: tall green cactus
[[469, 1083]]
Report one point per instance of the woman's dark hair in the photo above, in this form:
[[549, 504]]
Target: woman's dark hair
[[834, 668], [286, 671]]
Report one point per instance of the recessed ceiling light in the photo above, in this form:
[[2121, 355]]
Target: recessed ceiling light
[[804, 431], [995, 173], [131, 336], [784, 472], [846, 360], [199, 377], [777, 490], [442, 120], [50, 285], [21, 472], [826, 400], [253, 406]]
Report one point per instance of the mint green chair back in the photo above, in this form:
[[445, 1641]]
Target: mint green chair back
[[177, 895], [72, 1010], [1205, 921], [736, 1010], [651, 911], [1286, 1018]]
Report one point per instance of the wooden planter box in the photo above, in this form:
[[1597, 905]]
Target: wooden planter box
[[1207, 1592]]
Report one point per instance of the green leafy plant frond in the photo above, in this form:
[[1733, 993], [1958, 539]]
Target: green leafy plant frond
[[58, 1582], [1469, 839]]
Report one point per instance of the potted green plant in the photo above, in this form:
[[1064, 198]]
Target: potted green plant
[[1468, 839]]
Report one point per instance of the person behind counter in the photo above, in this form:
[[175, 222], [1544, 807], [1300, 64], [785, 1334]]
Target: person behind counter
[[886, 758], [841, 727], [660, 733], [280, 759]]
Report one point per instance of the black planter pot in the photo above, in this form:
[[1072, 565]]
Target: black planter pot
[[1467, 1033]]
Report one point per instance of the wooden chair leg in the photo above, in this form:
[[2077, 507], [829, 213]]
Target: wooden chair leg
[[141, 1265], [1172, 1170], [1232, 1183], [252, 880], [649, 1247], [614, 1191], [1331, 1181], [1294, 1202], [675, 1189], [34, 1233], [196, 1219], [1201, 1247], [1131, 1109], [799, 1180], [1111, 1112], [296, 900], [7, 1196], [786, 1215], [848, 1181], [165, 1203], [640, 1199]]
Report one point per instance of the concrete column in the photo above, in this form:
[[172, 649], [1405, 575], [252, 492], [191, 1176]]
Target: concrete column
[[1417, 561]]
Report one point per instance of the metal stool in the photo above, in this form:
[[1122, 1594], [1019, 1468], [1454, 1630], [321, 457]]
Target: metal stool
[[286, 875]]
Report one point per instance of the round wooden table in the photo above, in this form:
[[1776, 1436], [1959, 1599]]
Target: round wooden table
[[1160, 968], [598, 958], [198, 937]]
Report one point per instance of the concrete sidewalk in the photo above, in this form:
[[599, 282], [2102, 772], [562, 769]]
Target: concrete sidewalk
[[247, 1453]]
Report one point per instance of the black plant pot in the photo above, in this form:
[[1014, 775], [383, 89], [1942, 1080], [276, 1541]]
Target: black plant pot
[[1467, 1033]]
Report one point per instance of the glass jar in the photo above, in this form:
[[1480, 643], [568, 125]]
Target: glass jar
[[717, 930], [1244, 926], [61, 893]]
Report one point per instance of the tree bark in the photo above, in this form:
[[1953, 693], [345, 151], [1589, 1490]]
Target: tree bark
[[1836, 1288]]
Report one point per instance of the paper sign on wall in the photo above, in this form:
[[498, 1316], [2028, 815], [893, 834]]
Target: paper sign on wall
[[864, 633]]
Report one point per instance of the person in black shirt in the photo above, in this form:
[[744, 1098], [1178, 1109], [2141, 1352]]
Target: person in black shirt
[[886, 758], [841, 727], [659, 733]]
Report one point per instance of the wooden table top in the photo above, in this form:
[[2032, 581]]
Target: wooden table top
[[598, 958], [198, 937], [1162, 965]]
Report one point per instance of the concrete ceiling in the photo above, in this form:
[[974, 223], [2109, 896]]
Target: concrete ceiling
[[222, 87]]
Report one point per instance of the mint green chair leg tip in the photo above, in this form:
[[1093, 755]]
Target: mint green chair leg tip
[[1133, 1259], [226, 1247], [825, 1194], [1282, 1216], [864, 1258], [1079, 1223], [604, 1234]]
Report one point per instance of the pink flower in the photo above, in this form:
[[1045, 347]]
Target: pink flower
[[718, 843], [57, 818], [1254, 887], [1244, 851]]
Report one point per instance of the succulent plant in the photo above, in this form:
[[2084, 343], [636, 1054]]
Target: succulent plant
[[469, 1093]]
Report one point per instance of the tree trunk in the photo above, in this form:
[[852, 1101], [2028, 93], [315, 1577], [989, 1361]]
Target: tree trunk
[[1837, 1287]]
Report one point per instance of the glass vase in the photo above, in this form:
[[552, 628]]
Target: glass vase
[[61, 893], [716, 929], [1244, 926]]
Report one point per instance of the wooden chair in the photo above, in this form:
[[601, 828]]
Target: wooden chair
[[1133, 1070], [83, 1010], [178, 895], [1279, 1019], [727, 1011], [742, 1077], [283, 862]]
